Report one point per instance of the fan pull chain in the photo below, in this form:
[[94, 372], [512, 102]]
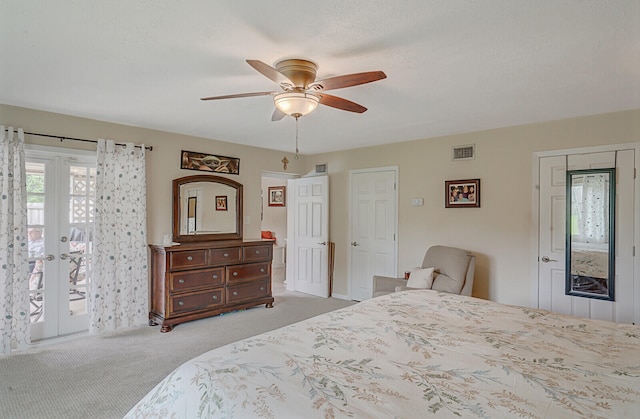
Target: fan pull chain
[[297, 137]]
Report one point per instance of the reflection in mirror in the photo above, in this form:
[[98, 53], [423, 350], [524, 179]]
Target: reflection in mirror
[[192, 227], [207, 218], [198, 214], [590, 233]]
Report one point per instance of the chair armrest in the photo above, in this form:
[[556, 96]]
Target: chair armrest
[[387, 284], [401, 288]]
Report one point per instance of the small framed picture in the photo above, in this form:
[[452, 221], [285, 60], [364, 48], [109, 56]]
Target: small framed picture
[[462, 193], [221, 203], [276, 196]]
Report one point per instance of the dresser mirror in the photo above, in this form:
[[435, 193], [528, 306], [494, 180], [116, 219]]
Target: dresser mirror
[[206, 208]]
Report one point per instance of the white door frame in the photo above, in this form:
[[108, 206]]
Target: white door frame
[[283, 247], [395, 169], [535, 212]]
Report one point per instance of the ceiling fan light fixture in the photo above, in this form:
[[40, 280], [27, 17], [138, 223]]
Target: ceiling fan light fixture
[[296, 103]]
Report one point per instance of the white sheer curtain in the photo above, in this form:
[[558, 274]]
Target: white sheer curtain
[[119, 291], [595, 209], [14, 283]]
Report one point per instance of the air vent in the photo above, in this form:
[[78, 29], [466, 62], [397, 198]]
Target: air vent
[[321, 168], [463, 152]]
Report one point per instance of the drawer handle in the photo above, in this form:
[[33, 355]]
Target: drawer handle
[[215, 276], [235, 274], [181, 281], [180, 303], [257, 252], [189, 257], [215, 297], [261, 288], [235, 293], [261, 269], [226, 255]]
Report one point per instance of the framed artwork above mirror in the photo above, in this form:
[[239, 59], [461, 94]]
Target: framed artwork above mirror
[[590, 238], [192, 160]]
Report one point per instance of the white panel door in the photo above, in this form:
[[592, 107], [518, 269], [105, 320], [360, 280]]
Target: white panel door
[[308, 235], [551, 260], [373, 224]]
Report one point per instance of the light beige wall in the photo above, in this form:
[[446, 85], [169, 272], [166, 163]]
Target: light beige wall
[[162, 164], [499, 232]]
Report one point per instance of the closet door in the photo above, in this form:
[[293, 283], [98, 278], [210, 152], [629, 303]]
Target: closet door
[[60, 199], [374, 223], [551, 235]]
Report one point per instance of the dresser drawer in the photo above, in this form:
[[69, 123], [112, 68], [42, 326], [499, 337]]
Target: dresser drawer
[[248, 272], [184, 281], [196, 301], [255, 253], [222, 256], [249, 291], [188, 259]]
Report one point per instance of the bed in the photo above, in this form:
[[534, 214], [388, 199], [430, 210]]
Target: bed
[[413, 354]]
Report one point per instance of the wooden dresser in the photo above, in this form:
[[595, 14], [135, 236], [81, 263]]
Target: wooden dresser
[[195, 280]]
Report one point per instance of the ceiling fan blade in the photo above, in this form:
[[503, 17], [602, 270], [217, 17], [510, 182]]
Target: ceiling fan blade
[[238, 95], [277, 115], [269, 72], [340, 103], [347, 80]]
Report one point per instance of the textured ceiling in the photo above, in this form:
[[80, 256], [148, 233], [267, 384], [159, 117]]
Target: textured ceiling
[[453, 66]]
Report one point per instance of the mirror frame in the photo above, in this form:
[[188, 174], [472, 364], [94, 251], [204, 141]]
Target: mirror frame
[[611, 200], [177, 237]]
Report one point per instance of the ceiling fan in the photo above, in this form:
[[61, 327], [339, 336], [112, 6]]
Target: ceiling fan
[[301, 91]]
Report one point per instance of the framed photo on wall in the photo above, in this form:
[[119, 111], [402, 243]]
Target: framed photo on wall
[[277, 196], [221, 203], [462, 193]]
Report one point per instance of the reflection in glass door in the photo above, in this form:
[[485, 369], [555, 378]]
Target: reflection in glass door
[[60, 202]]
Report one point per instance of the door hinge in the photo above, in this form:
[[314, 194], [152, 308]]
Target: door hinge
[[635, 172], [634, 251]]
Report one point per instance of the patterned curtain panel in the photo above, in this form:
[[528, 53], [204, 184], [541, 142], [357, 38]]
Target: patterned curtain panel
[[14, 282], [594, 193], [119, 292]]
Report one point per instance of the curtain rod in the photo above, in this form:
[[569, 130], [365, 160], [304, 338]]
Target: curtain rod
[[150, 148]]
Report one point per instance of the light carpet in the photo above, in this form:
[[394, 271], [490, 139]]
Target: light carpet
[[104, 376]]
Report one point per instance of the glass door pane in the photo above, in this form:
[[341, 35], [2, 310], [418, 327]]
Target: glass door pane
[[35, 172], [81, 205]]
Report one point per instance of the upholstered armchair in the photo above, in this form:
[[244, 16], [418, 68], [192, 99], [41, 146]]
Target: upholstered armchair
[[453, 271]]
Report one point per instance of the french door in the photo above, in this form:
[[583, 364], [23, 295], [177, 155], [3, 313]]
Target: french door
[[60, 203]]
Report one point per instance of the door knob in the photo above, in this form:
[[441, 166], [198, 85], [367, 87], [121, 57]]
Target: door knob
[[50, 257], [63, 256], [323, 243], [546, 259], [354, 244]]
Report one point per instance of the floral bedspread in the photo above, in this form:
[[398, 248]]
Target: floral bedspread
[[414, 354]]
